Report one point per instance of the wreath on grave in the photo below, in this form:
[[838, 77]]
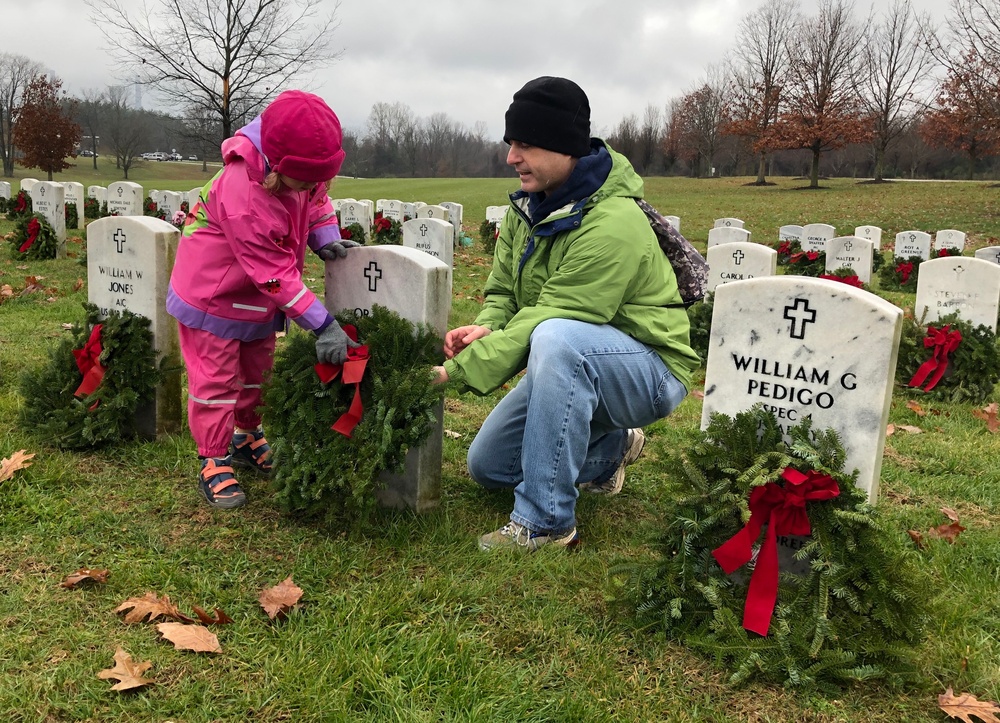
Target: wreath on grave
[[878, 260], [353, 232], [34, 238], [943, 253], [807, 263], [489, 232], [786, 249], [88, 392], [700, 318], [19, 207], [857, 614], [845, 275], [901, 274], [322, 472], [386, 230], [151, 208], [72, 217], [950, 360], [92, 208]]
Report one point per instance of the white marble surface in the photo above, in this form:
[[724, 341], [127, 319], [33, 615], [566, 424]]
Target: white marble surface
[[727, 234], [913, 243], [738, 261], [432, 236], [815, 236], [853, 252], [958, 284]]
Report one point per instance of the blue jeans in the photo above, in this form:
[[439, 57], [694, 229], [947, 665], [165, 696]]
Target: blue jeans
[[566, 421]]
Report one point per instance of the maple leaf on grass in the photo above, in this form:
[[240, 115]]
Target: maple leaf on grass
[[18, 460], [281, 598], [915, 408], [989, 415], [149, 604], [127, 672], [85, 575], [964, 705], [220, 617], [190, 637], [948, 531]]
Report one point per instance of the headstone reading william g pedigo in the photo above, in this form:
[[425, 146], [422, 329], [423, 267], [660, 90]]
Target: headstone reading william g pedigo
[[728, 222], [727, 234], [432, 236], [815, 236], [958, 284], [989, 253], [125, 198], [872, 233], [416, 286], [851, 252], [74, 195], [913, 243], [950, 239], [49, 200], [738, 261], [790, 232], [807, 347], [129, 259]]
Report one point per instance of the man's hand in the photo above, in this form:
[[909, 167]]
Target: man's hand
[[440, 375], [336, 250], [457, 339]]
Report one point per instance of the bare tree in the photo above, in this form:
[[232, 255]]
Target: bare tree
[[758, 69], [16, 72], [625, 137], [649, 138], [128, 129], [90, 113], [895, 62], [230, 56]]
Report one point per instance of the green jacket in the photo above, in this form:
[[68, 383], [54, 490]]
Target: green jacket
[[595, 261]]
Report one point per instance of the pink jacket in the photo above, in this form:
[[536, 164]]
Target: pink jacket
[[238, 271]]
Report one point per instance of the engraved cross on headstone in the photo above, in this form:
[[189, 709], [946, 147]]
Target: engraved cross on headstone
[[799, 314], [423, 229], [848, 246], [121, 191], [959, 270], [738, 257], [119, 240], [373, 273], [998, 257]]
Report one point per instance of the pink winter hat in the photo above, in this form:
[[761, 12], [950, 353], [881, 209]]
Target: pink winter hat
[[301, 137]]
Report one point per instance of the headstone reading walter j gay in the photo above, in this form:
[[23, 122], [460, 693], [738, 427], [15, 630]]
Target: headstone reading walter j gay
[[807, 347], [416, 286], [129, 259], [958, 284], [738, 261], [850, 252]]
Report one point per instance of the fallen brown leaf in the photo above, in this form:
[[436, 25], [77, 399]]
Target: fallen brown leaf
[[915, 408], [149, 604], [948, 531], [18, 460], [989, 415], [909, 428], [890, 429], [220, 617], [127, 672], [698, 394], [85, 575], [917, 538], [281, 598], [950, 514], [78, 285], [190, 637], [964, 705]]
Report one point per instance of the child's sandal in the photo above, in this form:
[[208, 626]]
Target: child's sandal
[[252, 451], [218, 483]]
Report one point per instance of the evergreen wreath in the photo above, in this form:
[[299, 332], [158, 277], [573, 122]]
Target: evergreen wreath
[[786, 249], [878, 260], [72, 217], [901, 274], [107, 415], [320, 472], [807, 263], [845, 275], [354, 232], [151, 208], [700, 318], [92, 208], [489, 231], [856, 615], [19, 206], [386, 230], [973, 367], [34, 238]]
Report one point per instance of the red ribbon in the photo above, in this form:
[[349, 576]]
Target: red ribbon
[[351, 372], [810, 255], [783, 509], [849, 280], [944, 343], [33, 229], [904, 270], [88, 361]]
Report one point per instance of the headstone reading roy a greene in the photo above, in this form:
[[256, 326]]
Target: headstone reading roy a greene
[[738, 261], [727, 234], [913, 243], [815, 236], [129, 260], [431, 236], [416, 286], [957, 284], [805, 346], [125, 198], [49, 200], [850, 252]]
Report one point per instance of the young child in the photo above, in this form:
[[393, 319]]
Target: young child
[[238, 275]]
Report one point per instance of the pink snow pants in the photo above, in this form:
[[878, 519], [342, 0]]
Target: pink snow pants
[[224, 386]]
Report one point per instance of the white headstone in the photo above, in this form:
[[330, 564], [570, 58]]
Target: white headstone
[[156, 196], [791, 232], [674, 221], [738, 261], [125, 198], [380, 206], [355, 212], [100, 193], [370, 207], [27, 184], [950, 239], [409, 211], [432, 236], [815, 236], [989, 253], [417, 205], [74, 195], [456, 211], [49, 199], [727, 234], [170, 201], [129, 260], [913, 243], [852, 252], [495, 214], [728, 223], [872, 233], [4, 189], [393, 209], [958, 284], [433, 211], [807, 347], [193, 196], [416, 286]]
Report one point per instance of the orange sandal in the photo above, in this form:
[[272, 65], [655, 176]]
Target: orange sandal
[[218, 483], [252, 451]]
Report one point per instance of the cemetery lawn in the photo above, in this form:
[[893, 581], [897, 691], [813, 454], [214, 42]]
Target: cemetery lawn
[[407, 620]]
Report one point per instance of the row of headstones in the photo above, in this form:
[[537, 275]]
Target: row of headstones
[[129, 260], [362, 212]]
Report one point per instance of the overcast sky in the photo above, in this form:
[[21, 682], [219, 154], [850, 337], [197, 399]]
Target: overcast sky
[[461, 57]]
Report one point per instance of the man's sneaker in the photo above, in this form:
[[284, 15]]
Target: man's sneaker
[[218, 483], [634, 443], [519, 537], [252, 451]]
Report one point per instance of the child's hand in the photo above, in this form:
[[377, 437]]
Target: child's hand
[[332, 345], [336, 250]]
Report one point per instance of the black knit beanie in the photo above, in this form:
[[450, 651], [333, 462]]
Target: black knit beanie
[[551, 113]]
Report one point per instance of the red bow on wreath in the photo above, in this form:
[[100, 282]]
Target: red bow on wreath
[[88, 361], [904, 270], [33, 230], [783, 510], [944, 343], [382, 224], [849, 280], [810, 255], [353, 370]]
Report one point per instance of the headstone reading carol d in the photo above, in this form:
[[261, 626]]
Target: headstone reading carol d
[[738, 261]]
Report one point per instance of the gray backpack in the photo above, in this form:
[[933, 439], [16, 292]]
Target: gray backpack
[[690, 267]]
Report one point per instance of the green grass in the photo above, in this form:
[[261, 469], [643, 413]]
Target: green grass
[[407, 621]]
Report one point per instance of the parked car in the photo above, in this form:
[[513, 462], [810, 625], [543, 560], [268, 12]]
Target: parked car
[[175, 157], [192, 158]]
